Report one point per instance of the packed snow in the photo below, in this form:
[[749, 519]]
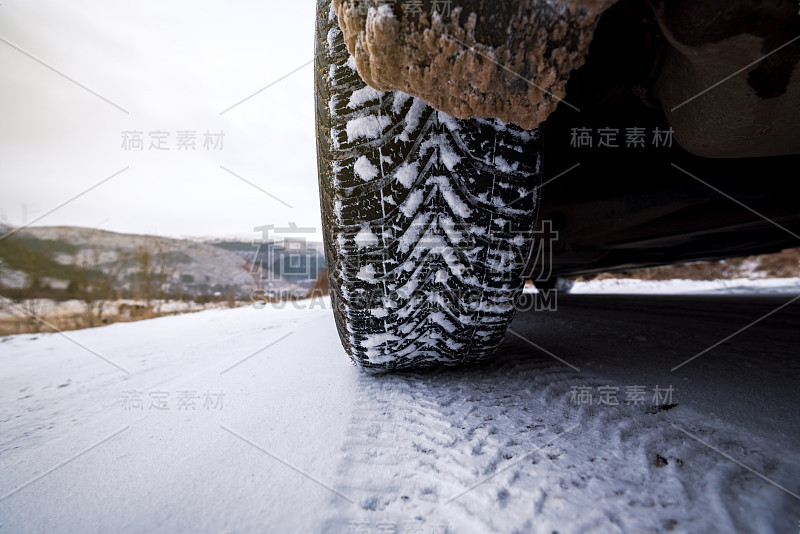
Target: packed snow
[[369, 127], [365, 238], [407, 173], [364, 169]]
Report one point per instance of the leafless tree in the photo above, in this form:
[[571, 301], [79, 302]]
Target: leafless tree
[[95, 283], [155, 269]]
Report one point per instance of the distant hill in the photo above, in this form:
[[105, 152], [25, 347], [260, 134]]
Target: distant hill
[[50, 260]]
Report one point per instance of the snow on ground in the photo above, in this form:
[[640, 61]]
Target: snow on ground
[[54, 308], [264, 426]]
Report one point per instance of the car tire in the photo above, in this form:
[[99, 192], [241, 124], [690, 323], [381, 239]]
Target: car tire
[[427, 220]]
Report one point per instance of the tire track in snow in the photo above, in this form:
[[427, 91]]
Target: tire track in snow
[[417, 440]]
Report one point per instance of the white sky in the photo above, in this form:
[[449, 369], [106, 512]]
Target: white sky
[[173, 66]]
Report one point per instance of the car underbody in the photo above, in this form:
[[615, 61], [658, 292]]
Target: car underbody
[[640, 206], [670, 128]]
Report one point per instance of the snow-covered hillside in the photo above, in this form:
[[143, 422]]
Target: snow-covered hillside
[[250, 420]]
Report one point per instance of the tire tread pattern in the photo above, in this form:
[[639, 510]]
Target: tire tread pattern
[[427, 219]]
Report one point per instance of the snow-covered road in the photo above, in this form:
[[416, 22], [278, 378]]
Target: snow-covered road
[[254, 420]]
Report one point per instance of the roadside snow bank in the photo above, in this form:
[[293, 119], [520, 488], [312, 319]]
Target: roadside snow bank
[[742, 286]]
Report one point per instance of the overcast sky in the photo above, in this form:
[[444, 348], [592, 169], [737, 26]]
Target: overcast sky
[[173, 67]]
